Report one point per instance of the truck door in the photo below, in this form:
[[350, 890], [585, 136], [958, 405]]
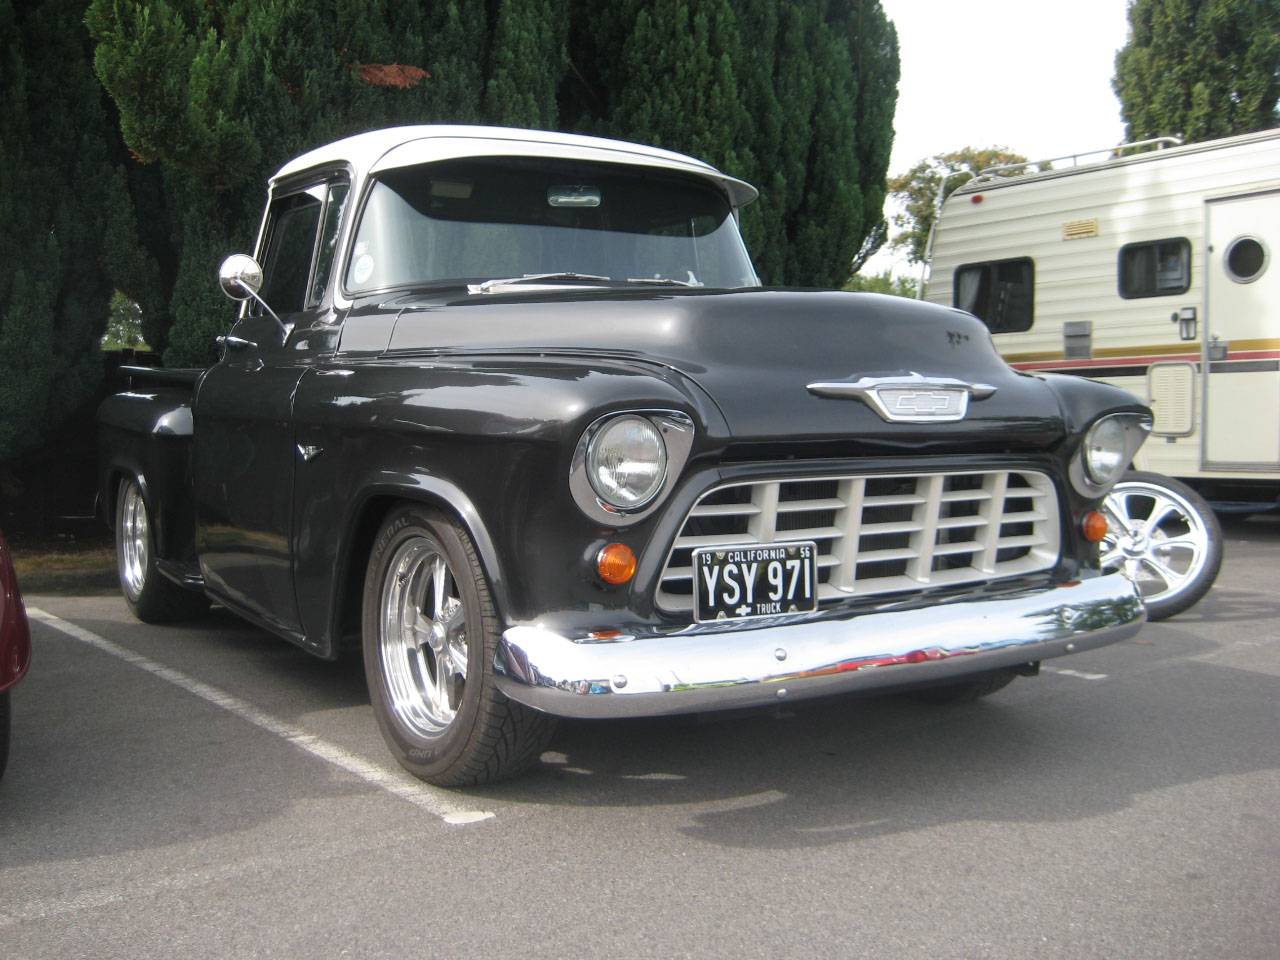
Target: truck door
[[1242, 377], [245, 450]]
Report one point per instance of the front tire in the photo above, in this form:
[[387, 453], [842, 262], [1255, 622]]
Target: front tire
[[151, 596], [430, 633], [1165, 538]]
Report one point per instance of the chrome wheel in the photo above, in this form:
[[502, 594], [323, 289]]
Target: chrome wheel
[[134, 540], [1164, 538], [423, 638], [430, 636], [152, 596]]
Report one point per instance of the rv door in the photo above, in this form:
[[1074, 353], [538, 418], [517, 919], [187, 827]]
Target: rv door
[[1242, 333]]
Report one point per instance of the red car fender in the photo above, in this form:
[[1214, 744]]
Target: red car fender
[[15, 633]]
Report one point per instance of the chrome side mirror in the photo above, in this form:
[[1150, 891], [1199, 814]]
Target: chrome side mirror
[[240, 277]]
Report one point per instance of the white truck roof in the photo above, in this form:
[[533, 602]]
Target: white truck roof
[[369, 153]]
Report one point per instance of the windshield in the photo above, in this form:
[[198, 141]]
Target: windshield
[[489, 218]]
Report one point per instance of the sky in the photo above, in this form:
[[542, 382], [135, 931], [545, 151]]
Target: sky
[[1034, 77]]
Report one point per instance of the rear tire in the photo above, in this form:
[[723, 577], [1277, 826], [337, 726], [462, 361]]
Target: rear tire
[[150, 595], [430, 632]]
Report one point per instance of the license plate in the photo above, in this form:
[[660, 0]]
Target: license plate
[[762, 580]]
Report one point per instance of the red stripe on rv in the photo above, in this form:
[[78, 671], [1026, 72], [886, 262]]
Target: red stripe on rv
[[1139, 360]]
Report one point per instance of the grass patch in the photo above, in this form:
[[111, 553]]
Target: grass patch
[[47, 556]]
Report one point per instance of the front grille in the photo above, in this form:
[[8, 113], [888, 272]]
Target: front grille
[[880, 534]]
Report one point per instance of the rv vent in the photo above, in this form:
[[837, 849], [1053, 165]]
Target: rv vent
[[1080, 229], [1172, 388], [1077, 339]]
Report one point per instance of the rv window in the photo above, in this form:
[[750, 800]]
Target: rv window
[[1161, 268], [1000, 293], [1245, 260]]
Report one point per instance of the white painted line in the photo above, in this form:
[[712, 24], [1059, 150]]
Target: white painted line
[[419, 794], [1075, 673]]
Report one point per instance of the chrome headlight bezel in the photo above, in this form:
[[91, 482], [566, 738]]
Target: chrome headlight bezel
[[1106, 450], [673, 429]]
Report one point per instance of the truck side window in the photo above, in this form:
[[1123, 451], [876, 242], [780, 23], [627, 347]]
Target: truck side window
[[328, 247], [287, 265], [1159, 268], [1000, 293]]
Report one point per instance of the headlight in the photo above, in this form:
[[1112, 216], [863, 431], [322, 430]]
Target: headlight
[[627, 462], [1105, 452]]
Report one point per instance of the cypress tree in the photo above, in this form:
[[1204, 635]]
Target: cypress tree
[[526, 61], [28, 287], [794, 97], [763, 165], [69, 226], [797, 98], [221, 94], [1199, 69]]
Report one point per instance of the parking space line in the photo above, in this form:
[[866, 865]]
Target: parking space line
[[433, 800], [1080, 674]]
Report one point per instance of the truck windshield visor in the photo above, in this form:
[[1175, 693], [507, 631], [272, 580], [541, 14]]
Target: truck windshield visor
[[481, 219]]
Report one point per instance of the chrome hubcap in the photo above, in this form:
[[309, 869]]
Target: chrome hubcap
[[135, 541], [423, 641], [1155, 538]]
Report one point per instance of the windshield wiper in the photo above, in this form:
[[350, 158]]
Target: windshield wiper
[[489, 286], [663, 281]]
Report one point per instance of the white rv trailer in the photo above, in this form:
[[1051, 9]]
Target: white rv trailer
[[1159, 272]]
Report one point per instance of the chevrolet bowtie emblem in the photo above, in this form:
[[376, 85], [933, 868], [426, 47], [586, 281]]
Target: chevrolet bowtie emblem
[[909, 398]]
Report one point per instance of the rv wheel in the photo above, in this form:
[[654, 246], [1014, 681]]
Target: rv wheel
[[1163, 537]]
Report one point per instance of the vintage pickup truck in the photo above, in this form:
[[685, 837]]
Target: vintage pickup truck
[[510, 410]]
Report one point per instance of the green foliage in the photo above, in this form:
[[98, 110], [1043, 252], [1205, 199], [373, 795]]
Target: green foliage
[[68, 221], [885, 282], [1199, 69], [917, 190], [797, 98], [221, 94], [527, 60], [124, 326]]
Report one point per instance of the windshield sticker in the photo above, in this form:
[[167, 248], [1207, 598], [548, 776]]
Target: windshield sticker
[[363, 269]]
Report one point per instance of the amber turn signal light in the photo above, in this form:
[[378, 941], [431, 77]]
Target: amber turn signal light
[[1094, 526], [616, 563]]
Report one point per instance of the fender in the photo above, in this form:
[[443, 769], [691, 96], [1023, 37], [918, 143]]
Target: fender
[[147, 434], [345, 587]]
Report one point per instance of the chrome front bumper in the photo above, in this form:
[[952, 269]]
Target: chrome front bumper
[[707, 667]]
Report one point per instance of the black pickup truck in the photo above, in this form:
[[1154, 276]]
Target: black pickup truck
[[509, 410]]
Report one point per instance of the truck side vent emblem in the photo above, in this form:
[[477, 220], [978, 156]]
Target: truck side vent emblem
[[912, 398], [1080, 229]]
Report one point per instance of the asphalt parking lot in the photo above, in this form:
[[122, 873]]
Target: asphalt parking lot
[[210, 791]]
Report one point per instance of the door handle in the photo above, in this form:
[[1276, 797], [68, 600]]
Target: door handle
[[235, 343]]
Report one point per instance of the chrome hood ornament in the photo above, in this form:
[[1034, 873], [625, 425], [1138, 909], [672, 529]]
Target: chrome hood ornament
[[909, 398]]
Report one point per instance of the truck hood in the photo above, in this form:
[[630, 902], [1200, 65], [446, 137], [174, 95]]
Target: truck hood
[[756, 352]]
